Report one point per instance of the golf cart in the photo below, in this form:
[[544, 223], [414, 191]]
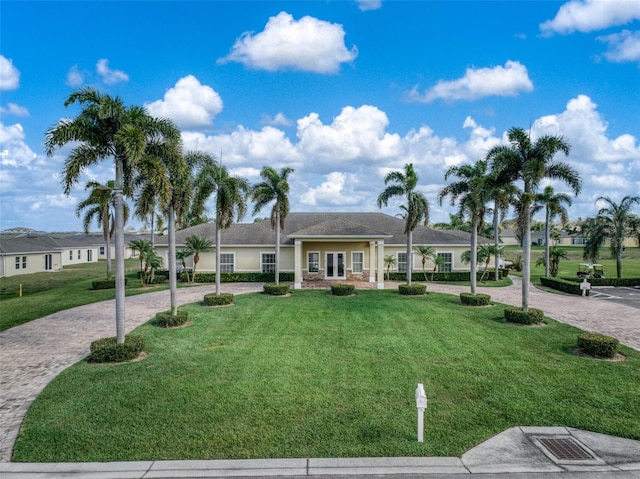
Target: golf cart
[[590, 270]]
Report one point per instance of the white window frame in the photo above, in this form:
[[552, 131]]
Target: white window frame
[[398, 262], [79, 254], [89, 256], [440, 270], [101, 251], [309, 262], [24, 262], [70, 255], [18, 263], [263, 264], [354, 262], [48, 262], [222, 265]]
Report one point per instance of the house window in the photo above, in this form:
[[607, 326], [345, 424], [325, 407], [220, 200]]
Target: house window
[[227, 261], [70, 254], [79, 254], [580, 240], [89, 255], [357, 260], [17, 262], [401, 262], [48, 262], [268, 262], [24, 262], [313, 261], [101, 250], [446, 265]]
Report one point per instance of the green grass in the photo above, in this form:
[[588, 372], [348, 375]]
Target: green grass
[[313, 375], [50, 292], [569, 267]]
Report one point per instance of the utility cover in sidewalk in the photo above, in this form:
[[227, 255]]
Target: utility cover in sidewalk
[[566, 450]]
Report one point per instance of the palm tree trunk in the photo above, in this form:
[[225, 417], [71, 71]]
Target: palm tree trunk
[[496, 239], [526, 255], [474, 256], [277, 247], [105, 236], [153, 236], [619, 261], [547, 220], [119, 207], [409, 256], [218, 272], [173, 282]]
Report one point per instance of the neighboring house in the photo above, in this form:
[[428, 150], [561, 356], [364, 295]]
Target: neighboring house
[[24, 253], [325, 247]]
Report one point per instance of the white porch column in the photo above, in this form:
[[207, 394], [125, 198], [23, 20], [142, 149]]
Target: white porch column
[[297, 260], [372, 261], [380, 264]]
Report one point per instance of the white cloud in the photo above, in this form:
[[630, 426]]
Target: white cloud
[[365, 5], [189, 104], [13, 109], [75, 77], [9, 75], [590, 15], [508, 80], [15, 152], [331, 192], [308, 44], [279, 120], [109, 76], [623, 46]]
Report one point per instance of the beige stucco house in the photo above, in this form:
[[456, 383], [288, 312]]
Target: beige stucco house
[[325, 247]]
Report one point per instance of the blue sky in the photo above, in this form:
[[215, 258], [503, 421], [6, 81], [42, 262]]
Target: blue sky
[[341, 91]]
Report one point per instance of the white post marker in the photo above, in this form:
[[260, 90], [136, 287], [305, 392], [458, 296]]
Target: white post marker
[[585, 286], [421, 404]]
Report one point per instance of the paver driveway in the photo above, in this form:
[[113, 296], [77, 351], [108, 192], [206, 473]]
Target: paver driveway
[[32, 354]]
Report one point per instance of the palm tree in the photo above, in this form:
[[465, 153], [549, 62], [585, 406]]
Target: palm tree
[[389, 261], [614, 222], [274, 187], [471, 191], [530, 162], [417, 207], [141, 246], [426, 253], [502, 196], [99, 205], [182, 255], [553, 205], [106, 129], [196, 245], [555, 255]]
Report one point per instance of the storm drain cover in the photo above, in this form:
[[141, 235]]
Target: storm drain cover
[[565, 448]]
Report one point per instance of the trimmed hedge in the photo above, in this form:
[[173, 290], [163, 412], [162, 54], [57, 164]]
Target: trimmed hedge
[[598, 345], [517, 315], [164, 319], [107, 350], [418, 275], [222, 299], [243, 277], [414, 289], [106, 283], [274, 289], [559, 284], [475, 299], [342, 289], [607, 281]]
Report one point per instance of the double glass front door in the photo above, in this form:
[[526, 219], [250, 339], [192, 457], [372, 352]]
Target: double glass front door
[[335, 265]]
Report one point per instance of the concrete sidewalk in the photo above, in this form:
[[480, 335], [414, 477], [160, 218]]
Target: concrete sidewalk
[[517, 452]]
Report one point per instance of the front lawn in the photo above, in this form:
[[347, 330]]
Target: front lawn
[[313, 375]]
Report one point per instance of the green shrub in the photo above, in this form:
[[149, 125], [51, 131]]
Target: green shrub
[[451, 276], [249, 277], [107, 350], [598, 345], [274, 289], [105, 283], [475, 299], [517, 315], [165, 319], [559, 284], [222, 299], [414, 289], [342, 289], [617, 282]]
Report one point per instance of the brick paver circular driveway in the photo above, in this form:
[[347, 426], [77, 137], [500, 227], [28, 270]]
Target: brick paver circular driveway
[[32, 354]]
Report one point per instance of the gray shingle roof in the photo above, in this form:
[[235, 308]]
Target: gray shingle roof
[[27, 243]]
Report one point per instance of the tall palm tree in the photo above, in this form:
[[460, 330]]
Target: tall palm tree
[[106, 129], [553, 206], [530, 162], [274, 187], [426, 253], [231, 198], [471, 193], [614, 222], [400, 183], [196, 245], [99, 205], [502, 196]]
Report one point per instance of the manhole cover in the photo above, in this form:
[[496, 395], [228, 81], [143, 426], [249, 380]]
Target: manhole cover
[[565, 449]]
